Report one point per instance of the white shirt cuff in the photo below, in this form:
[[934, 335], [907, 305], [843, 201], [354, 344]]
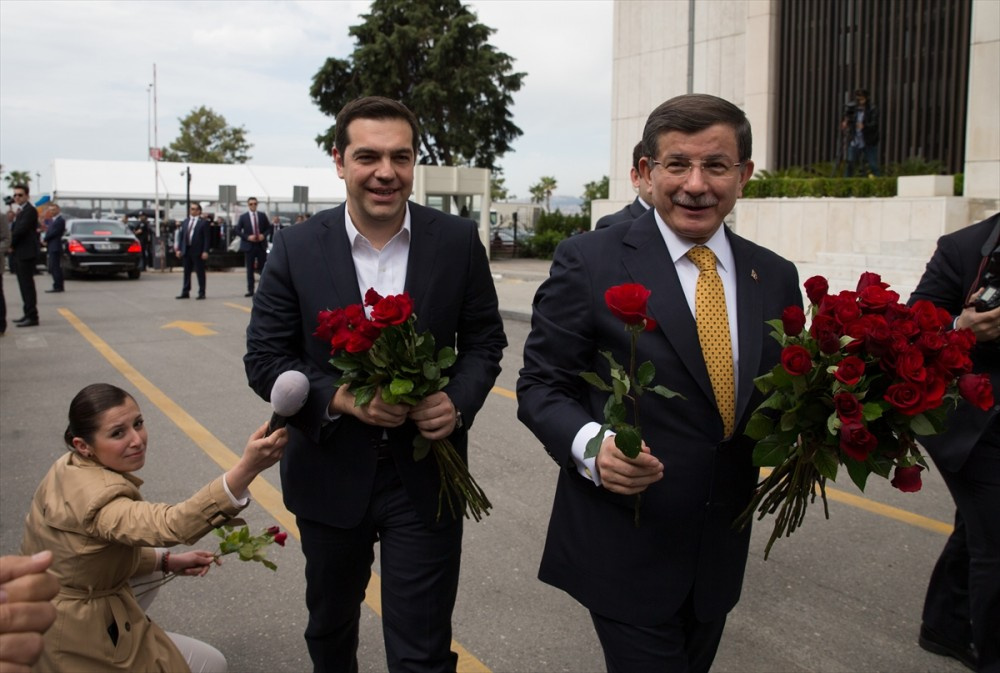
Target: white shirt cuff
[[587, 467], [242, 501]]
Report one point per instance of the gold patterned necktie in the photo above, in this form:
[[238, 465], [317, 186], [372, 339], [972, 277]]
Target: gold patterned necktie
[[713, 333]]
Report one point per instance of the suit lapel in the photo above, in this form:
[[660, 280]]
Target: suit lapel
[[647, 261], [342, 276], [421, 261], [750, 318]]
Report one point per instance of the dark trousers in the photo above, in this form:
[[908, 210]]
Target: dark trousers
[[963, 596], [25, 271], [419, 576], [681, 645], [257, 253], [55, 268], [192, 260], [3, 302]]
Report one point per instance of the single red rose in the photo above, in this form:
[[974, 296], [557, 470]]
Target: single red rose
[[372, 297], [963, 338], [793, 320], [935, 387], [931, 343], [362, 337], [272, 531], [977, 390], [650, 324], [328, 322], [856, 441], [928, 316], [907, 479], [848, 407], [876, 298], [877, 335], [844, 307], [905, 327], [816, 289], [906, 397], [796, 360], [392, 310], [857, 330], [627, 302], [280, 538], [869, 279], [850, 370], [953, 359], [910, 365]]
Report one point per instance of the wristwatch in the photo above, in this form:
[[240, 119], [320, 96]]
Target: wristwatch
[[459, 423]]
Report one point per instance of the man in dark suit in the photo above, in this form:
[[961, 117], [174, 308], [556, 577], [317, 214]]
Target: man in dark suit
[[25, 249], [643, 198], [253, 230], [348, 473], [191, 247], [659, 591], [53, 246], [962, 606]]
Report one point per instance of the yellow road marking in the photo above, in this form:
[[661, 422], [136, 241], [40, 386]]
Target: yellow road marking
[[239, 306], [263, 492], [192, 328]]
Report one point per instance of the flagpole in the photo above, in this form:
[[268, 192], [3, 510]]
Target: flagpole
[[156, 174]]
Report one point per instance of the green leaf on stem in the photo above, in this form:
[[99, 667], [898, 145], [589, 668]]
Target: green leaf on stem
[[446, 357], [594, 443], [629, 440], [759, 426], [859, 472], [871, 411], [646, 373], [826, 462], [401, 386], [614, 411], [769, 452], [663, 391], [596, 381], [421, 447], [363, 395], [921, 425]]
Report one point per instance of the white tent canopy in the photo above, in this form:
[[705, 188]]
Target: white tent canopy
[[136, 180]]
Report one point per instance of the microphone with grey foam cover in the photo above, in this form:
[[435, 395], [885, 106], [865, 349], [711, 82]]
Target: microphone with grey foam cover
[[288, 396]]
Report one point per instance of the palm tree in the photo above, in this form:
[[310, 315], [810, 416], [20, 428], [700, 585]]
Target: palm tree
[[542, 191], [18, 178]]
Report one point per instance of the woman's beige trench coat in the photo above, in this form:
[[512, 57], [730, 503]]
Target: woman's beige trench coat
[[101, 533]]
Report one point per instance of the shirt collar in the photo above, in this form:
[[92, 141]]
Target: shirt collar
[[353, 235], [678, 247]]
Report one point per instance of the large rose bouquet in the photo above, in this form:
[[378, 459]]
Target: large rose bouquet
[[626, 302], [384, 355], [855, 389]]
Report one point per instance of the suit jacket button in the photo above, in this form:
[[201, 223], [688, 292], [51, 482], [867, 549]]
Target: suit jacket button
[[128, 626]]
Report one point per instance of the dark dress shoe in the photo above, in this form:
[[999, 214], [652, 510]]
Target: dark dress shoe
[[20, 320], [934, 642], [183, 296], [248, 294], [200, 297], [55, 289], [28, 323]]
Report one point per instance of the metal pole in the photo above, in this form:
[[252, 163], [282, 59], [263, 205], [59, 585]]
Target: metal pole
[[156, 180]]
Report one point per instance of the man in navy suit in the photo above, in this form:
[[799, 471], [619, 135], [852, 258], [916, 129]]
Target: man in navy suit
[[191, 247], [961, 617], [53, 244], [348, 473], [643, 198], [253, 229], [25, 249], [659, 592]]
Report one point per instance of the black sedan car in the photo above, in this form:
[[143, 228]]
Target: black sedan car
[[100, 247]]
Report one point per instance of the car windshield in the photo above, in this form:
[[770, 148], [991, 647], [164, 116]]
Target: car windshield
[[99, 228]]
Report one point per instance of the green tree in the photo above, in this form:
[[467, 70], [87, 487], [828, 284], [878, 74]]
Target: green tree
[[541, 192], [432, 55], [498, 190], [18, 178], [593, 190], [206, 138]]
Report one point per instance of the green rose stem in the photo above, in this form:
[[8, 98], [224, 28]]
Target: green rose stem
[[788, 489], [635, 329], [457, 483]]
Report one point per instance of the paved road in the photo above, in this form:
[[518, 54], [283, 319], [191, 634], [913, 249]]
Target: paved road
[[841, 596]]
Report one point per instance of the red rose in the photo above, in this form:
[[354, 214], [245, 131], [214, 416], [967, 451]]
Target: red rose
[[843, 307], [977, 390], [953, 359], [934, 389], [869, 279], [627, 302], [964, 338], [910, 365], [877, 334], [824, 330], [931, 342], [906, 397], [816, 289], [272, 531], [928, 316], [280, 539], [793, 320], [362, 337], [907, 479], [848, 407], [856, 441], [328, 323], [392, 310], [850, 370], [796, 360], [876, 298], [372, 297]]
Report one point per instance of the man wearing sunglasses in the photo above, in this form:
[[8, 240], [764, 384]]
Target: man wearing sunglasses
[[25, 250]]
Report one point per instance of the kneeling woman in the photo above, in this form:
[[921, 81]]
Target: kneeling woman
[[89, 512]]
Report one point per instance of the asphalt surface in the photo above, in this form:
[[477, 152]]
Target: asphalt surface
[[842, 595]]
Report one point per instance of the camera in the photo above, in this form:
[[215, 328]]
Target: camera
[[850, 108], [990, 298], [8, 200]]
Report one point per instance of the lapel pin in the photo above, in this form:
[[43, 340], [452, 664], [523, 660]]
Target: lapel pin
[[753, 274]]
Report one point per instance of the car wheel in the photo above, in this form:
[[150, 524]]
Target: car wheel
[[133, 274]]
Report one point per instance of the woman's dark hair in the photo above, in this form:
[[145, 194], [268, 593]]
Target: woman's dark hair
[[86, 408]]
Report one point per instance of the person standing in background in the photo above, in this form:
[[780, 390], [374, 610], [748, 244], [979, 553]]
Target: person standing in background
[[53, 245], [862, 125], [253, 230], [643, 199], [25, 249], [192, 248]]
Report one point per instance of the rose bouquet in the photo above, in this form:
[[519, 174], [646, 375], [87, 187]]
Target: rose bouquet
[[856, 389], [236, 539], [384, 355], [626, 302]]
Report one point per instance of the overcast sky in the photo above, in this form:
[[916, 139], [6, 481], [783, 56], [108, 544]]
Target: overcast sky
[[74, 78]]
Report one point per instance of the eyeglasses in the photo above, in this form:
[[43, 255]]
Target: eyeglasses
[[712, 168], [19, 195]]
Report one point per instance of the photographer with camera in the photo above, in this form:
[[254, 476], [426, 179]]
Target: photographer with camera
[[860, 123], [961, 617]]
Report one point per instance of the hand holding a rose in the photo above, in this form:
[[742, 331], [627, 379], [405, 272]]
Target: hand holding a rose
[[624, 475], [375, 412]]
